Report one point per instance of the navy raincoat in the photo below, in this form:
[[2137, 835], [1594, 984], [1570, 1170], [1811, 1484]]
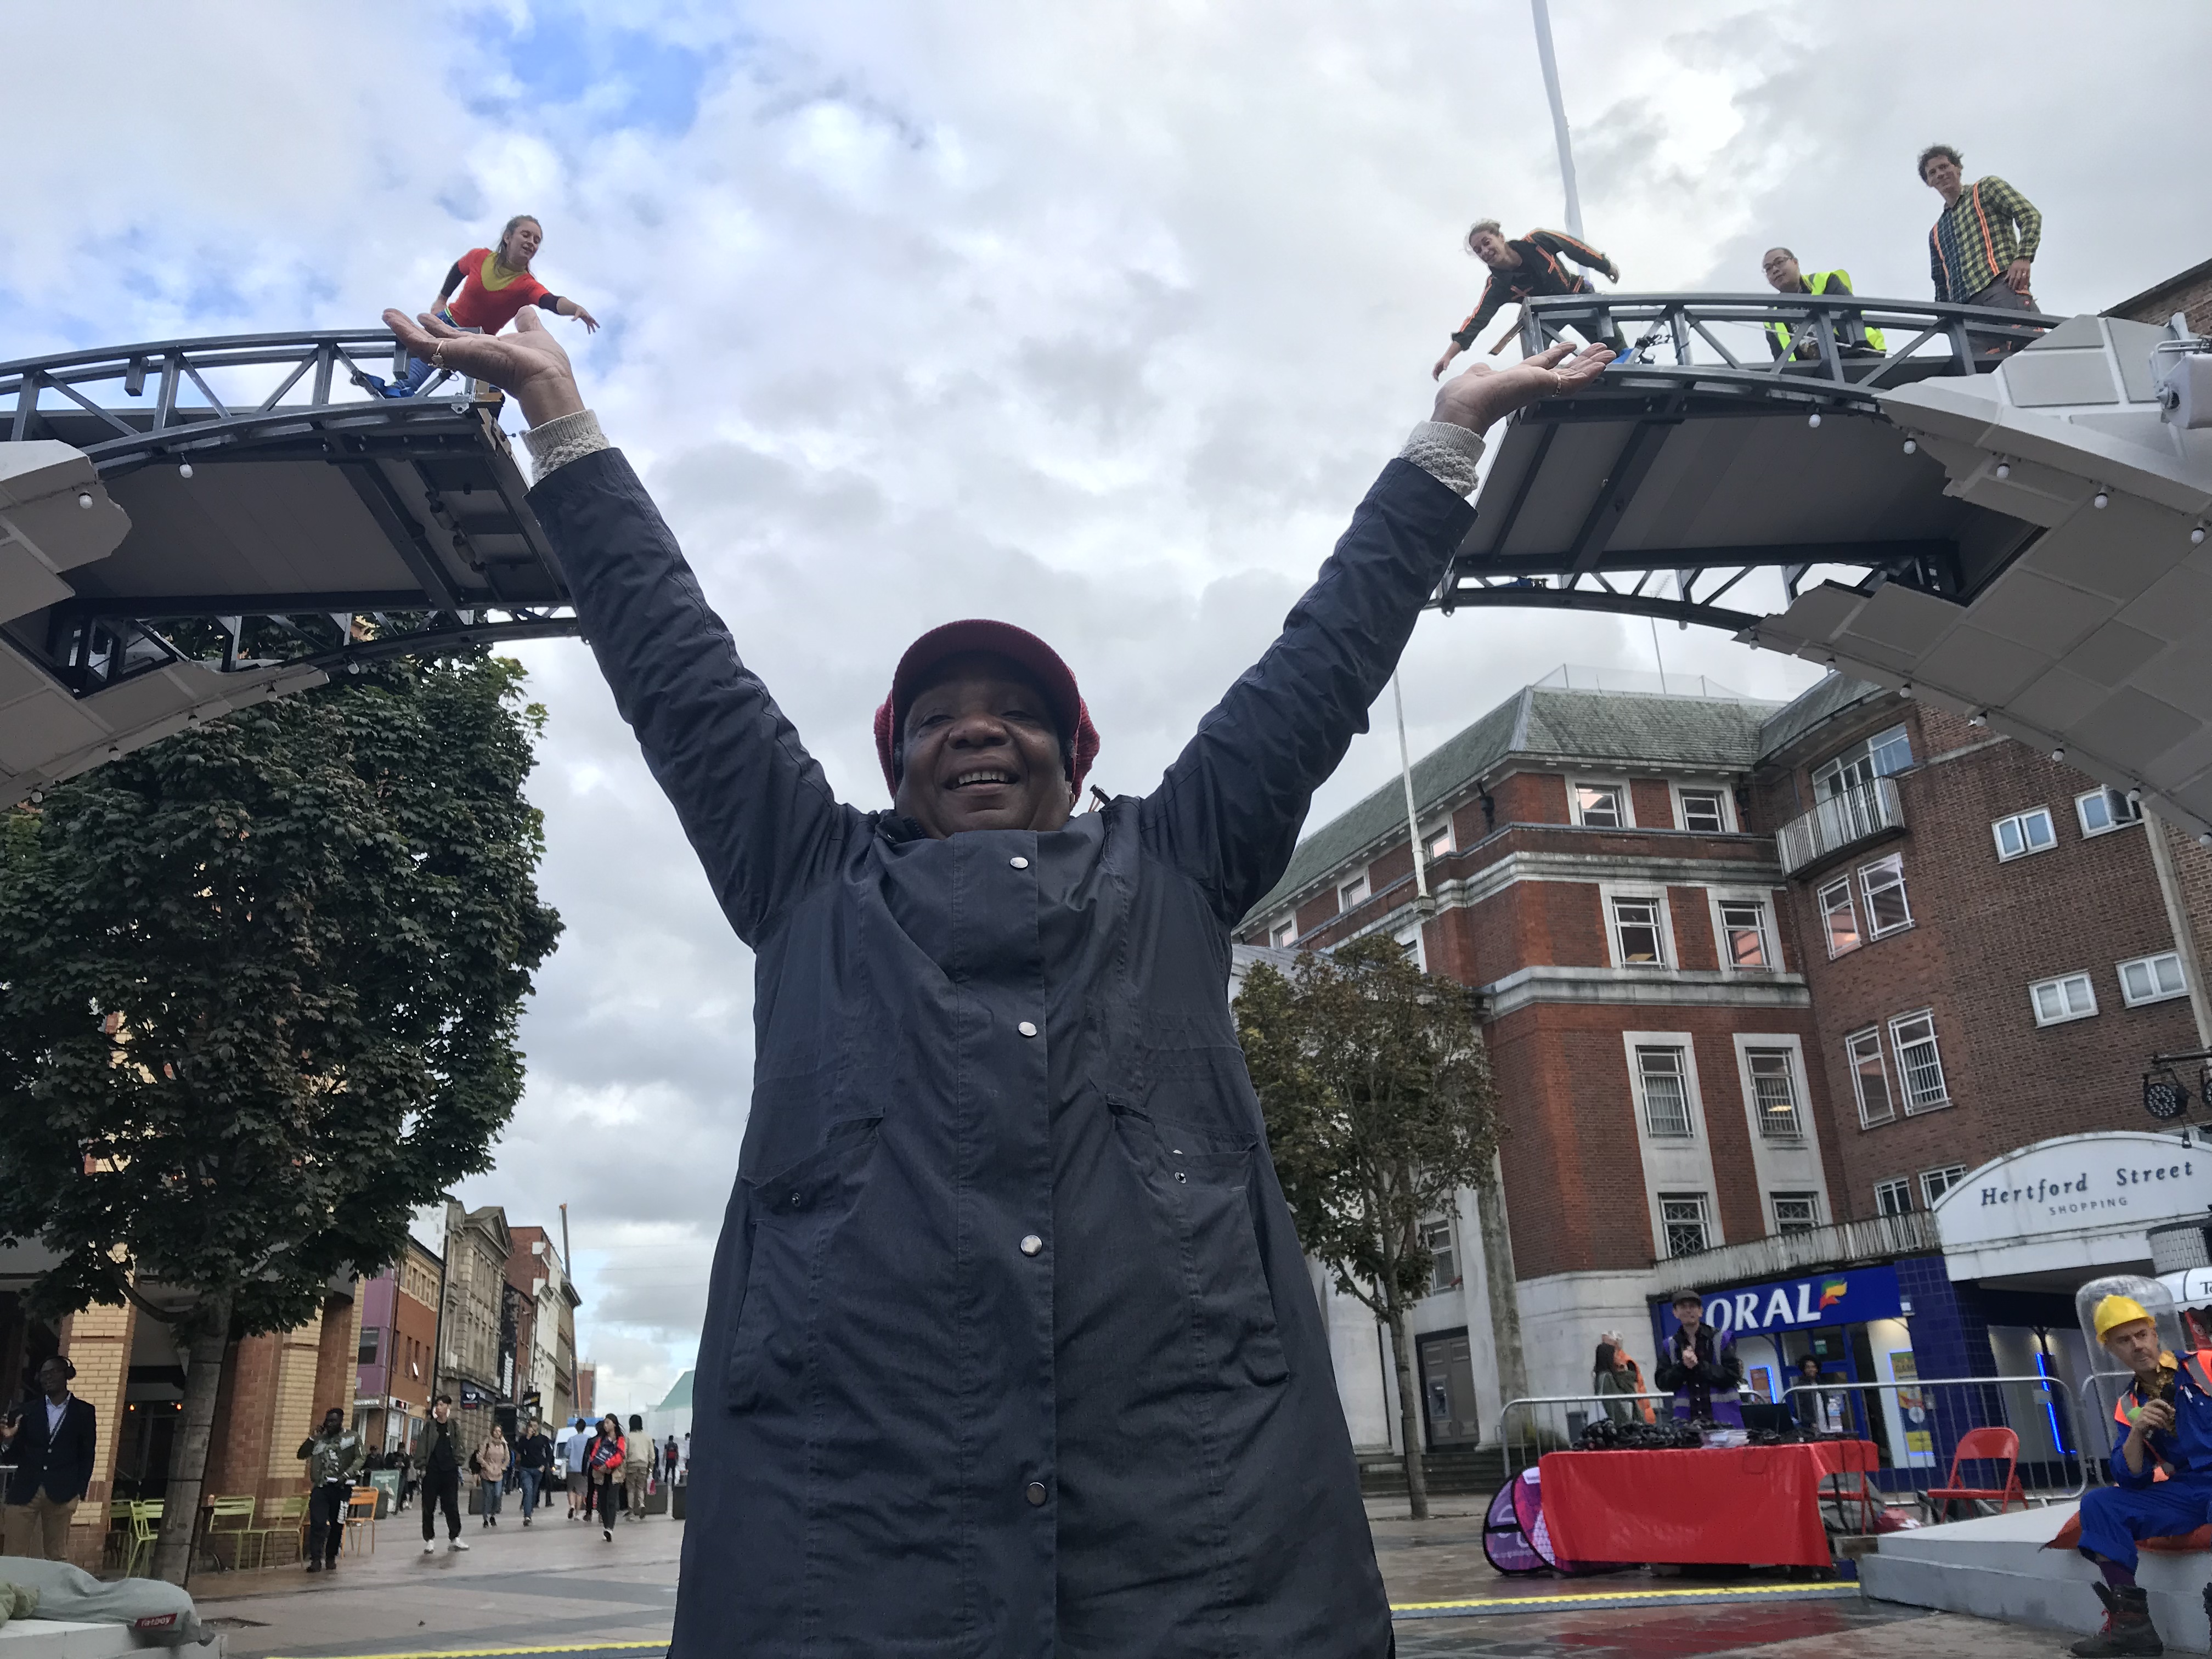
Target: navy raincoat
[[1010, 1350]]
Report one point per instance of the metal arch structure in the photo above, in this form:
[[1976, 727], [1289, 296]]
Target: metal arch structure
[[2013, 512], [187, 526], [1700, 459]]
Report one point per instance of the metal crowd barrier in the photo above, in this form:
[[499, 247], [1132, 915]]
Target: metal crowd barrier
[[1536, 1424]]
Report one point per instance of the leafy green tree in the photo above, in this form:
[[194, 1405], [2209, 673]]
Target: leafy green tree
[[258, 991], [1376, 1090]]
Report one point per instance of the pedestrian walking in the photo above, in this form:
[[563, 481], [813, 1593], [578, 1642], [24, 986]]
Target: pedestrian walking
[[605, 1468], [668, 1455], [333, 1457], [442, 1476], [405, 1464], [533, 1463], [637, 1467], [49, 1436], [1006, 1261], [491, 1471], [574, 1451]]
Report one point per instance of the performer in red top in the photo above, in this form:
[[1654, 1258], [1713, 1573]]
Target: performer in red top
[[493, 284]]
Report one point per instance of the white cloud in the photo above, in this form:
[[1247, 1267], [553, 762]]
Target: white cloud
[[1099, 320]]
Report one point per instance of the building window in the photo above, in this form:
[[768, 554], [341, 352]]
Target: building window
[[2057, 1000], [1883, 883], [1918, 1062], [1796, 1212], [1892, 1198], [1353, 892], [1884, 753], [1683, 1216], [2151, 979], [1409, 946], [369, 1335], [1440, 839], [2024, 833], [1636, 932], [1839, 918], [1774, 1094], [1743, 926], [1284, 934], [1702, 810], [1599, 806], [1666, 1087], [1443, 1258], [1869, 1077], [2104, 809], [1934, 1184]]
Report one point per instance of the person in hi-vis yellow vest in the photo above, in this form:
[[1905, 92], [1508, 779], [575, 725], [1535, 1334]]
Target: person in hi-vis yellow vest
[[1853, 337]]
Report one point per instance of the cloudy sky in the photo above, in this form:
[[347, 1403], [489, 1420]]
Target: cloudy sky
[[1098, 319]]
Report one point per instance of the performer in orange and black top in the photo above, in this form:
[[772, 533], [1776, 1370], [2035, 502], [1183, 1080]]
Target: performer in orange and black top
[[494, 285], [1523, 266]]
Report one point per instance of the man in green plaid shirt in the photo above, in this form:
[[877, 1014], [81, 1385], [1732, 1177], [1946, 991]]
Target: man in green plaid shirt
[[1979, 249]]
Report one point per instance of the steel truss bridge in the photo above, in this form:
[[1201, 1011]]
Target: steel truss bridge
[[187, 526], [2001, 516]]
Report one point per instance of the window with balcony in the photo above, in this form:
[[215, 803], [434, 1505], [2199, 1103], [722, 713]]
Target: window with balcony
[[1880, 756], [1704, 809], [1353, 892], [1774, 1094], [1684, 1216], [1893, 1197], [1839, 919], [1600, 805], [1839, 821], [1663, 1081], [1934, 1184], [2057, 1000], [1444, 1255], [2024, 833], [1286, 931], [1743, 933], [1883, 884], [1918, 1062], [2102, 810], [1638, 933], [1796, 1212], [2151, 979], [1869, 1077]]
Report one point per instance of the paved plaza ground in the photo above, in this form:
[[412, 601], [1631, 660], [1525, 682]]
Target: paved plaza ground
[[559, 1590]]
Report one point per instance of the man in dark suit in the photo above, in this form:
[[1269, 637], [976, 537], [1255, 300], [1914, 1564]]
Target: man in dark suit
[[51, 1436]]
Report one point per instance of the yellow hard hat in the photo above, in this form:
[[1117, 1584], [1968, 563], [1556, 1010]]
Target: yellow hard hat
[[2115, 1311]]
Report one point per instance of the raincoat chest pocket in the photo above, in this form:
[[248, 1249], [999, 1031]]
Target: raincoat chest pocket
[[1204, 1187], [793, 1216]]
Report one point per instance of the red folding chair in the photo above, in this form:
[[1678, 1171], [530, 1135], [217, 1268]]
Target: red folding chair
[[1986, 1446]]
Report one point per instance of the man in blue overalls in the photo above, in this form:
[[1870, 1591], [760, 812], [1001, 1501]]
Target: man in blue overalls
[[2168, 1413]]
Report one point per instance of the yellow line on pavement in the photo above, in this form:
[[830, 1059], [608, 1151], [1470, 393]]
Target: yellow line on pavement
[[1702, 1594]]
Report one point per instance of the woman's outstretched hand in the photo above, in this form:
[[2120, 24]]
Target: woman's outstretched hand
[[1484, 395], [528, 365]]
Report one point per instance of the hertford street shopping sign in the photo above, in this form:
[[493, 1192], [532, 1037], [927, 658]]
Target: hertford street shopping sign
[[2076, 1200]]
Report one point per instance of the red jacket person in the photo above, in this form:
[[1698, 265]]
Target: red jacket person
[[1010, 1350]]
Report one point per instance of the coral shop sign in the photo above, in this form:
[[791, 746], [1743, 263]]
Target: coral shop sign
[[2125, 1180]]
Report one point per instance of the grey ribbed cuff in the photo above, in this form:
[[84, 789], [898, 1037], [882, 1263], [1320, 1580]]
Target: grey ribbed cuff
[[1446, 453], [564, 439]]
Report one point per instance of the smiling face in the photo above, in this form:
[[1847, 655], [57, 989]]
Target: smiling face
[[1489, 246], [981, 751], [1942, 176], [522, 245]]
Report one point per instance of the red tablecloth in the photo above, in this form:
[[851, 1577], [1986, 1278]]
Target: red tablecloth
[[1753, 1504]]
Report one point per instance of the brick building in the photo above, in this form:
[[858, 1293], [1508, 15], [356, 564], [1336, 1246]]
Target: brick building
[[398, 1348], [1762, 983], [545, 1325], [476, 1312]]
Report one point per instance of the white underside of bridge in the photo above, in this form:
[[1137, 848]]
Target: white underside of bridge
[[2097, 640], [47, 734]]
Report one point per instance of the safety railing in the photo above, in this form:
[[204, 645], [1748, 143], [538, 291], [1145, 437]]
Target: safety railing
[[159, 394], [1728, 343], [1845, 819], [1944, 1409]]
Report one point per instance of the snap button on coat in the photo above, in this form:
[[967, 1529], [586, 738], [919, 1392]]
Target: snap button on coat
[[1019, 862], [874, 1378], [1031, 1245]]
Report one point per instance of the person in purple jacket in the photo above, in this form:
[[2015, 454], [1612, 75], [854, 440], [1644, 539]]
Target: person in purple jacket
[[1011, 1350]]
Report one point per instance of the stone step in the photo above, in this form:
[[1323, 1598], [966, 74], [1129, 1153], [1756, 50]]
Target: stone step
[[1456, 1470]]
